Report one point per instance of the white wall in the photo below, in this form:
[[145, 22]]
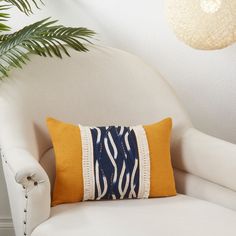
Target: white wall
[[205, 81]]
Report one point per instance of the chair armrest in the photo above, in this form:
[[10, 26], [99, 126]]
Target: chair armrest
[[207, 157], [24, 166], [28, 189]]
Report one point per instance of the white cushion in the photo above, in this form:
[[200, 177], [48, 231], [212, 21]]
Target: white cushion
[[180, 215]]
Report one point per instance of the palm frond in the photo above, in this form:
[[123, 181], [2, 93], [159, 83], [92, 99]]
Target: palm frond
[[25, 5], [43, 38], [3, 18]]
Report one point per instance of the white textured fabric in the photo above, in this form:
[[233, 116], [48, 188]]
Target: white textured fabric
[[180, 215], [144, 162], [87, 163]]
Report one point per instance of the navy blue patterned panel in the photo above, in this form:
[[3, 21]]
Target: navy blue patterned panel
[[116, 162]]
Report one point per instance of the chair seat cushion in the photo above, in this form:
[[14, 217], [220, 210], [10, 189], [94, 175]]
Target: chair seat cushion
[[179, 215]]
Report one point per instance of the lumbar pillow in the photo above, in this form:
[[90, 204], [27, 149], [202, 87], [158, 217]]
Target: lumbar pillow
[[112, 162]]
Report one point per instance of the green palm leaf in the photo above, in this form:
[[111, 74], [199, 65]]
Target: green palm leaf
[[42, 38], [3, 18], [25, 5]]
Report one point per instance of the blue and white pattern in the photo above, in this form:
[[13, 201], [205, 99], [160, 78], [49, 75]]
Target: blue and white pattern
[[116, 162]]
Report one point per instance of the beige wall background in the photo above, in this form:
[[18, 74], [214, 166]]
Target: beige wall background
[[205, 81]]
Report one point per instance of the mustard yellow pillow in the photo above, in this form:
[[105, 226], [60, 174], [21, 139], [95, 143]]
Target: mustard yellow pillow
[[112, 162]]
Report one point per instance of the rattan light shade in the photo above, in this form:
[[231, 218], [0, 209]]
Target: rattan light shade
[[203, 24]]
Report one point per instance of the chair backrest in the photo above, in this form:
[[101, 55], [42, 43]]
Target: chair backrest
[[103, 86]]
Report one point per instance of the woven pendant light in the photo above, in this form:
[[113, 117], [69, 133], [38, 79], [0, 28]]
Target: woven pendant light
[[203, 24]]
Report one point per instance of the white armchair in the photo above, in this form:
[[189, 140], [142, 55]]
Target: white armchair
[[108, 86]]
